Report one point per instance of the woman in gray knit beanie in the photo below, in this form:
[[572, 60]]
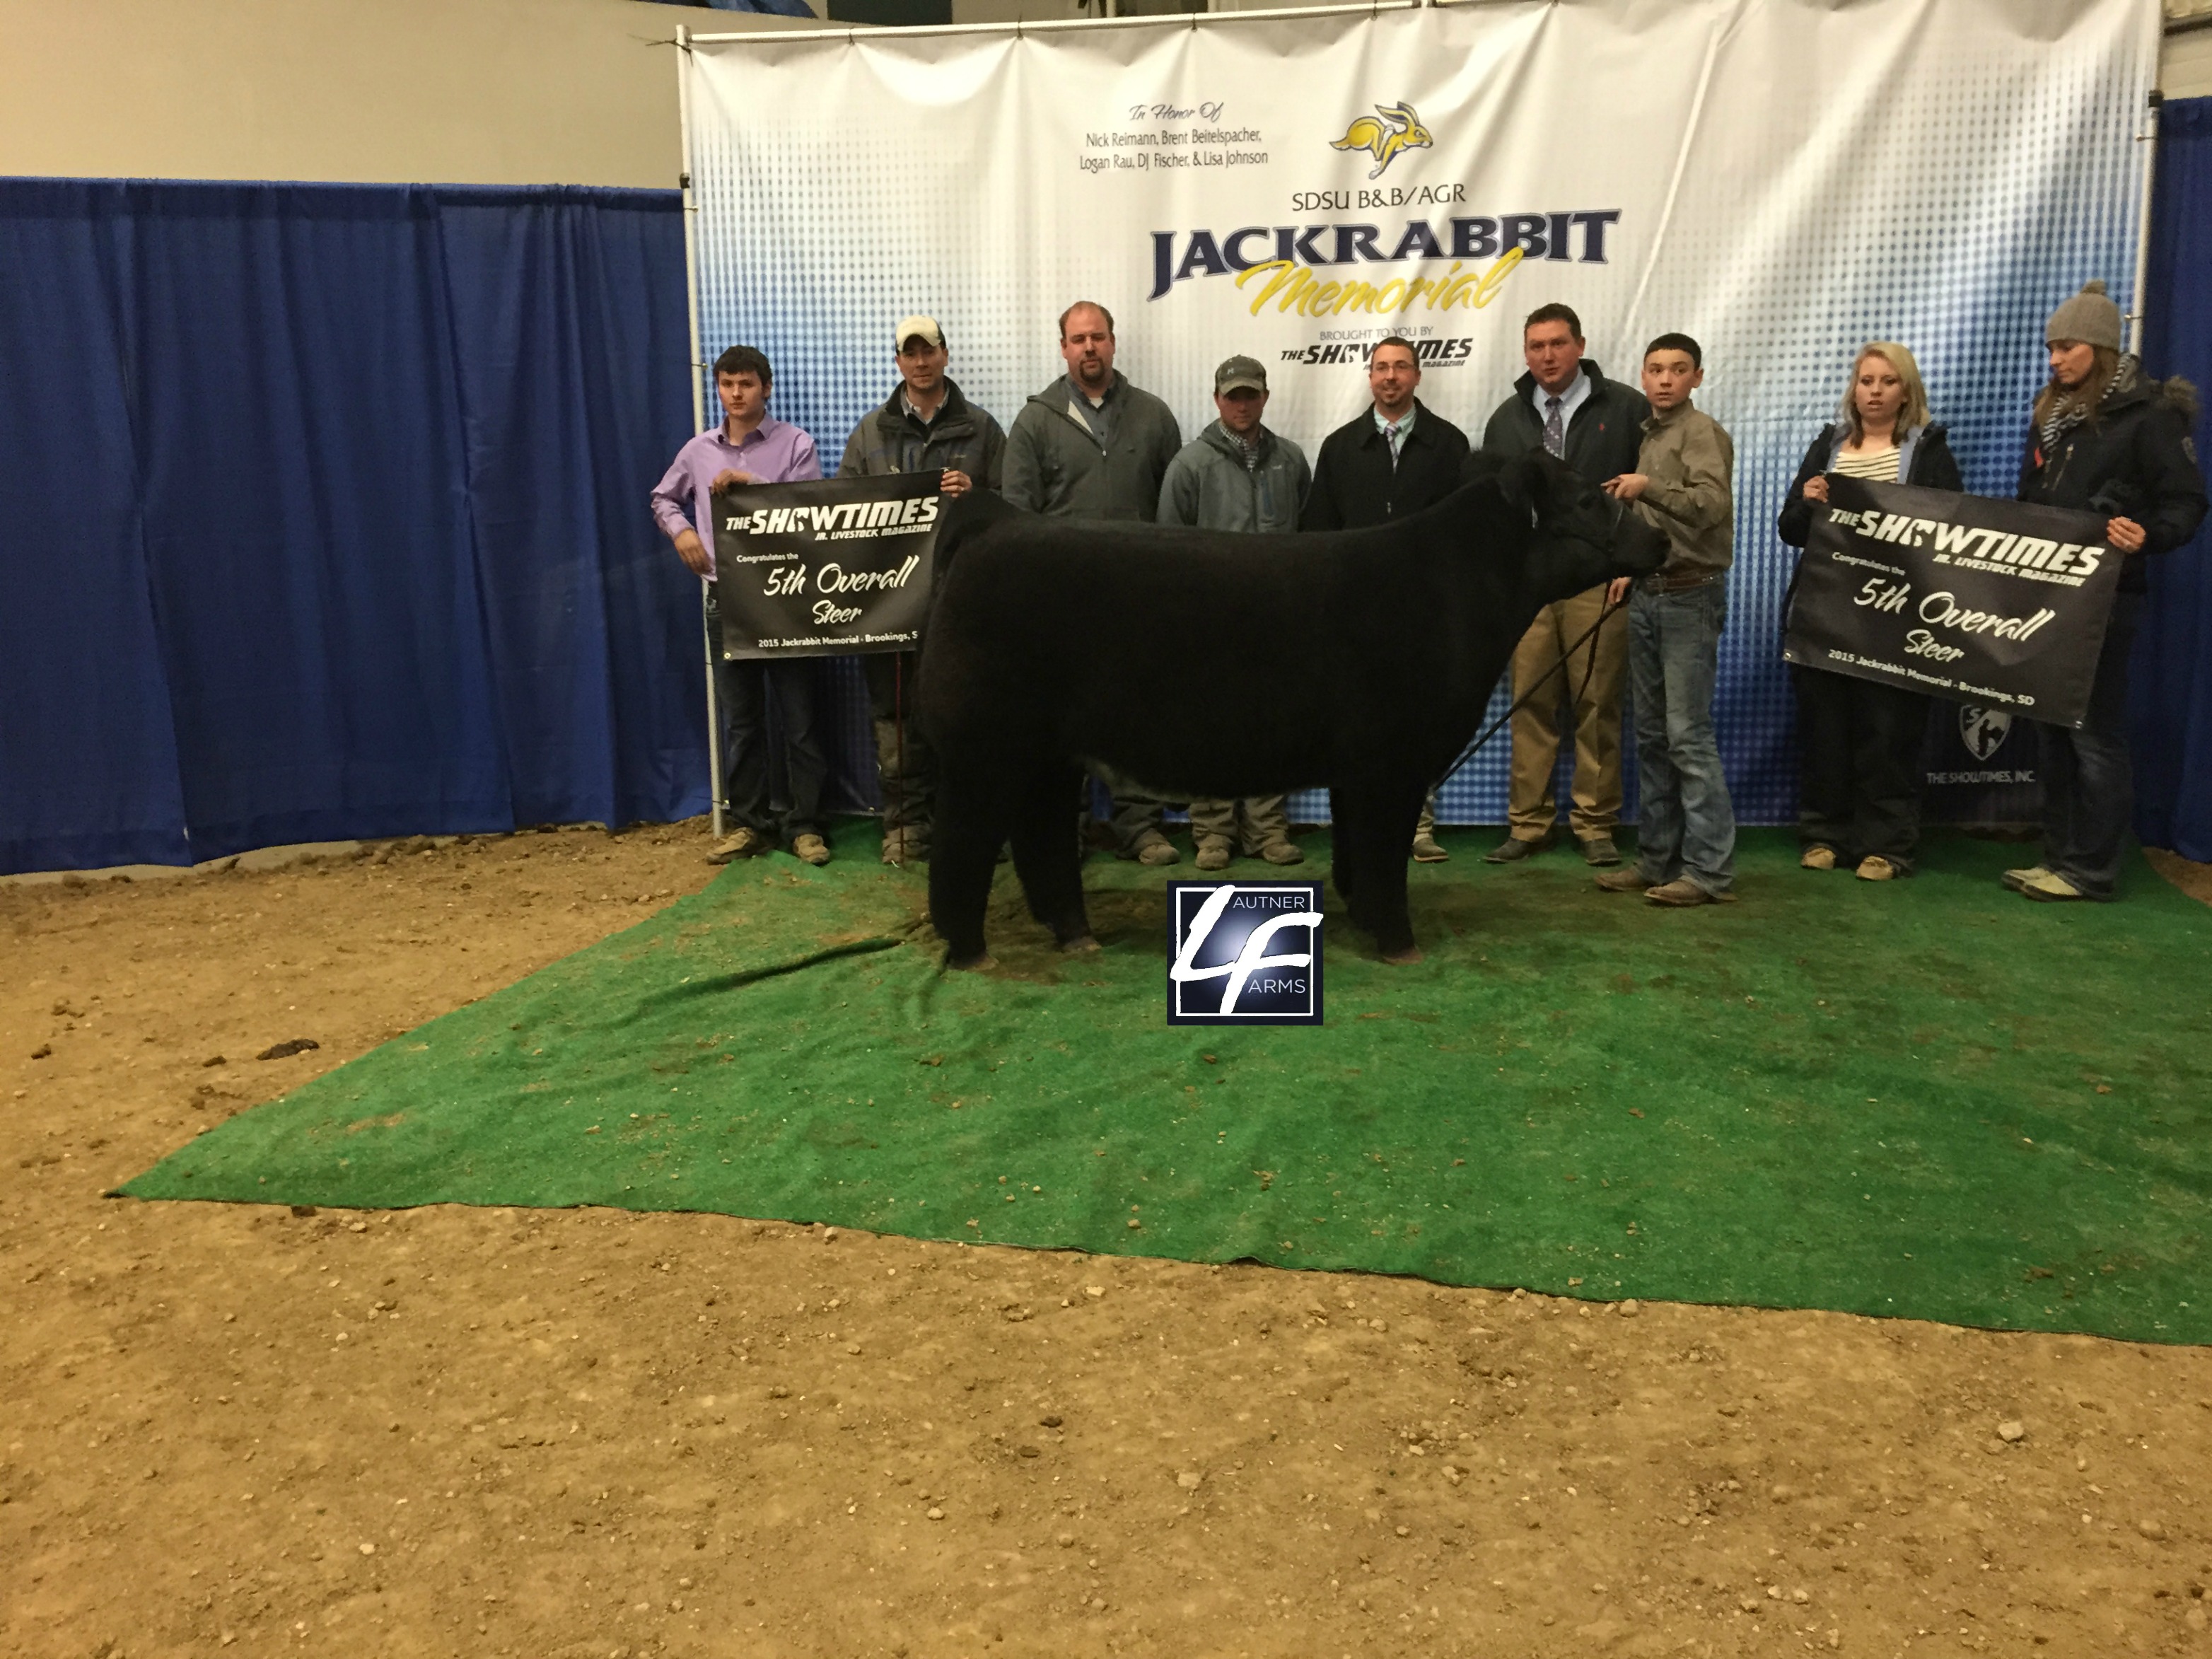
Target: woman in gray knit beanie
[[2105, 438]]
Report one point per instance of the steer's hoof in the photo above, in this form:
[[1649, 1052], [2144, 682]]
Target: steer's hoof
[[977, 963], [1412, 953], [1081, 946]]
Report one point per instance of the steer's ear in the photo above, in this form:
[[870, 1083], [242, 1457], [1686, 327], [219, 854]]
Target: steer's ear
[[1521, 480]]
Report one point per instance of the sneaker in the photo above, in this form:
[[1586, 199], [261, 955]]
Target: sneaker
[[2052, 889], [1817, 857], [1627, 879], [1680, 894], [1427, 850], [1213, 854], [1598, 850], [2020, 880], [1154, 854], [1875, 867], [1514, 848], [1283, 852], [810, 849], [739, 844]]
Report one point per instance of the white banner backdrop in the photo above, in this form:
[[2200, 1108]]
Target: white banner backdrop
[[1781, 178]]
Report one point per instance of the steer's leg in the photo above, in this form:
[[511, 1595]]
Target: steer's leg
[[970, 828], [1344, 842], [1393, 809], [1046, 858]]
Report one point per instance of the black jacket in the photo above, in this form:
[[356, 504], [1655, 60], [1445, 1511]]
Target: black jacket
[[1603, 437], [1355, 486], [2135, 460], [1932, 467]]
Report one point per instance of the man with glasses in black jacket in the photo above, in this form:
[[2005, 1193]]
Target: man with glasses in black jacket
[[1394, 458]]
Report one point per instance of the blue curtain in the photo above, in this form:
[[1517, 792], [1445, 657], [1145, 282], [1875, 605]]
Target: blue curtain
[[88, 770], [323, 514], [571, 341], [2171, 686]]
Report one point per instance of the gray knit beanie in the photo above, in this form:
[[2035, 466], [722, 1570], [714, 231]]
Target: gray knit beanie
[[2088, 317]]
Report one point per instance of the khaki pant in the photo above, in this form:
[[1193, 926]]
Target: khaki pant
[[1531, 810], [1248, 824]]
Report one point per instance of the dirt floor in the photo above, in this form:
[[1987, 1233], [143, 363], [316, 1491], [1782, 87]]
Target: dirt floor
[[230, 1429]]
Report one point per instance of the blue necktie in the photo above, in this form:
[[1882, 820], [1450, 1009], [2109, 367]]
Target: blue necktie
[[1555, 431]]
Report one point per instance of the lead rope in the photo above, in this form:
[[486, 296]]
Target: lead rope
[[1589, 668]]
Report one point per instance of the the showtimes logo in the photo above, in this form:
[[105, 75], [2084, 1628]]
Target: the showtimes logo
[[1429, 354]]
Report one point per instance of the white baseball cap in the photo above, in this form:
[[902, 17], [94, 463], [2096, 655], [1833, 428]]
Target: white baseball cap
[[917, 324]]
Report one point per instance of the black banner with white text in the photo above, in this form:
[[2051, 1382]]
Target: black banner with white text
[[826, 568], [1995, 603]]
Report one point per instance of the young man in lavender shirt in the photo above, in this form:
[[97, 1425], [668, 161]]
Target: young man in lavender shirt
[[750, 446]]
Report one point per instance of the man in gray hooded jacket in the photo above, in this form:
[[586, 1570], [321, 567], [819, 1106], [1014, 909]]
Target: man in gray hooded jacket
[[1092, 446], [1237, 474]]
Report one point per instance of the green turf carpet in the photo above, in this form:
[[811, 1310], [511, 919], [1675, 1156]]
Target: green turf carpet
[[1928, 1098]]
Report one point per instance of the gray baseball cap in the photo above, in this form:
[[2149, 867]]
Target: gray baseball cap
[[1239, 374]]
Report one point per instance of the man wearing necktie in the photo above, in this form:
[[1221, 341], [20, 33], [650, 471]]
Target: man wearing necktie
[[1395, 456], [1564, 404]]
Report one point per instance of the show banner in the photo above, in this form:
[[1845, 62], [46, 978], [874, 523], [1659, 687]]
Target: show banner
[[1782, 179], [1995, 603], [828, 569]]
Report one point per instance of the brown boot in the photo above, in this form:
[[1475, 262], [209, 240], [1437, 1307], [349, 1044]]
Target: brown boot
[[1681, 894], [739, 844]]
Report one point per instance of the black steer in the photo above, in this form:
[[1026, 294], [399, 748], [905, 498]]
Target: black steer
[[1217, 665]]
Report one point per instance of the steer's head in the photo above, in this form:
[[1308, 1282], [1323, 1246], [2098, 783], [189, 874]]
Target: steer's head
[[1582, 536]]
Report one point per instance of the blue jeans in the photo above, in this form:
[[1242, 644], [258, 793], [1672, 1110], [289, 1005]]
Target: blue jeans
[[2089, 784], [1686, 825]]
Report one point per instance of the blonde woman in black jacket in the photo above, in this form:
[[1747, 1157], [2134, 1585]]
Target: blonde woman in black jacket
[[1858, 742]]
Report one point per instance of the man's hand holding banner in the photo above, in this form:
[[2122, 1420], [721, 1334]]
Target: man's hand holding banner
[[1980, 601]]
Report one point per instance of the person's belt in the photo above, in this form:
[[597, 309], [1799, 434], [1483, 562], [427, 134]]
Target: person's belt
[[1681, 582]]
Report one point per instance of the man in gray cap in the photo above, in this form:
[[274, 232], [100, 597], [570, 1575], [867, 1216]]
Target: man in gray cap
[[925, 425], [1237, 475]]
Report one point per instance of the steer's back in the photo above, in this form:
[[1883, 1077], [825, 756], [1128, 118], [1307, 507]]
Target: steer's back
[[1170, 652]]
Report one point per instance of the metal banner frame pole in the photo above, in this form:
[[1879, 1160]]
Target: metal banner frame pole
[[1036, 25], [698, 405], [2148, 140]]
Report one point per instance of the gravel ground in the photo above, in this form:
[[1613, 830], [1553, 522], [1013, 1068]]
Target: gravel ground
[[232, 1429]]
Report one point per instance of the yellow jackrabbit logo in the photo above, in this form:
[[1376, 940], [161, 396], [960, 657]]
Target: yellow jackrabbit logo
[[1399, 129]]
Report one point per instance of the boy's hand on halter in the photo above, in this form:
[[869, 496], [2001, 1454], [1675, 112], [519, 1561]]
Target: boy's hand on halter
[[1616, 592]]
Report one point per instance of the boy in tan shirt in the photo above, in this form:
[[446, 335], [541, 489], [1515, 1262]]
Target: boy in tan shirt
[[1685, 834]]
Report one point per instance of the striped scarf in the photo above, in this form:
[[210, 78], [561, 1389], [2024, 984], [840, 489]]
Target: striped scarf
[[2067, 413]]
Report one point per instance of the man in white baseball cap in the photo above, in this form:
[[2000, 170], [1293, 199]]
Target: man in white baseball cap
[[925, 425]]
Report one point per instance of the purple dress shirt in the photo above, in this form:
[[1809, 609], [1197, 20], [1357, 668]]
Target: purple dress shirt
[[774, 451]]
